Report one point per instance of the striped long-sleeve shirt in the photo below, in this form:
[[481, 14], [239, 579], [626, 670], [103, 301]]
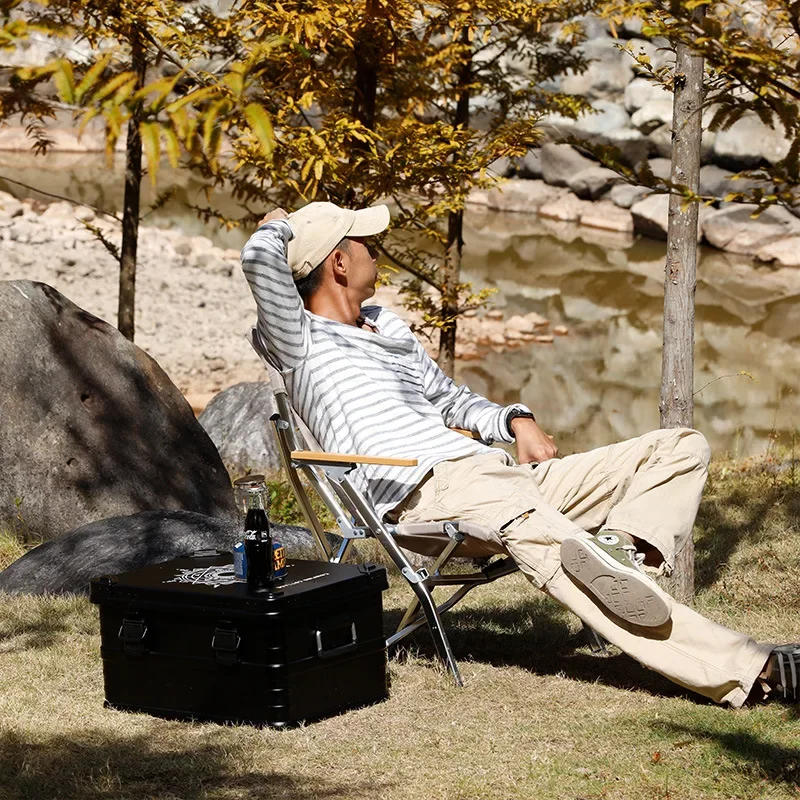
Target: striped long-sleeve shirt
[[375, 392]]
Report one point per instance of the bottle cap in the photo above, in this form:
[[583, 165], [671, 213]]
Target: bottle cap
[[251, 492]]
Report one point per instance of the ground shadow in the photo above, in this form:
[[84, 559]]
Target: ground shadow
[[95, 765], [756, 758], [536, 636], [722, 536], [42, 625]]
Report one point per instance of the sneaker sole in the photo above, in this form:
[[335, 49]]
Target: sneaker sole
[[626, 594]]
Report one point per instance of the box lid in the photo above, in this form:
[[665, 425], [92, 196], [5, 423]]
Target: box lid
[[207, 579]]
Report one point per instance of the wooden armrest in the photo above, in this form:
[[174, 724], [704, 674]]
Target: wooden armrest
[[309, 457], [468, 434]]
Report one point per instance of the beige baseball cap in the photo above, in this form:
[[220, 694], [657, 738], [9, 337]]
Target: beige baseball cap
[[319, 227]]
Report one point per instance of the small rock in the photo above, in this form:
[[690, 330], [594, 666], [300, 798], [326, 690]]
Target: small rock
[[545, 339], [567, 208], [652, 115], [561, 330], [560, 162], [497, 339], [607, 216], [216, 364], [84, 214], [530, 165], [519, 324], [537, 320], [784, 251], [592, 182], [183, 247], [513, 335], [494, 314], [641, 91], [10, 206], [59, 210], [625, 195], [522, 196]]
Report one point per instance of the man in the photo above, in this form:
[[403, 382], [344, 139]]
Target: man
[[364, 384]]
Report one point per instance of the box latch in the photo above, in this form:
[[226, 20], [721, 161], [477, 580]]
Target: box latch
[[225, 645], [131, 634]]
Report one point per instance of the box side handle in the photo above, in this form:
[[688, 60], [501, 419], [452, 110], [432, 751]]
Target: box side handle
[[332, 652]]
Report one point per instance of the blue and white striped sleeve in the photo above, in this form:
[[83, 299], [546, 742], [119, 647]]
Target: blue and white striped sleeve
[[282, 321], [461, 407]]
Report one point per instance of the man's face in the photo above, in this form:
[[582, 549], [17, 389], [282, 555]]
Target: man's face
[[364, 268]]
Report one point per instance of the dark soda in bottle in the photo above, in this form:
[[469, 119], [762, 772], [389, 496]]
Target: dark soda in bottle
[[258, 549], [253, 501]]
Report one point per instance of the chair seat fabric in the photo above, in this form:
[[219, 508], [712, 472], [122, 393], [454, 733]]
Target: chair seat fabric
[[429, 539]]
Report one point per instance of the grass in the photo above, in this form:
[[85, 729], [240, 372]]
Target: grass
[[539, 715]]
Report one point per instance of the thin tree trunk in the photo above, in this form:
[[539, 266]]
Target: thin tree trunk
[[367, 52], [449, 305], [677, 372], [126, 311], [455, 238]]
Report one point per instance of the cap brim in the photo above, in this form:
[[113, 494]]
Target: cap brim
[[370, 221]]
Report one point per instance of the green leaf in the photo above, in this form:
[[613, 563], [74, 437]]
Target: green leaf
[[261, 125]]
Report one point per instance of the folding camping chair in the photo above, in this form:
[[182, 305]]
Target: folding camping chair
[[328, 474]]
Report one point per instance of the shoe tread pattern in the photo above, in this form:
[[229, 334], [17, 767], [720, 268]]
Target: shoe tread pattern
[[624, 596]]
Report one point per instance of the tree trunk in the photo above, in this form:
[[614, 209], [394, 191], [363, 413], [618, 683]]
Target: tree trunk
[[367, 52], [455, 238], [677, 372], [126, 310], [449, 288]]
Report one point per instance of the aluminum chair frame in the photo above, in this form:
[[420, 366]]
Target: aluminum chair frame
[[328, 475]]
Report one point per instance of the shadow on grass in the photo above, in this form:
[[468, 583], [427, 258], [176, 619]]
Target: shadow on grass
[[535, 636], [94, 765], [755, 758], [40, 624], [722, 534]]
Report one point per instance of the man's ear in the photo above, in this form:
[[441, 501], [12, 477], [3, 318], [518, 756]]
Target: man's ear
[[339, 263]]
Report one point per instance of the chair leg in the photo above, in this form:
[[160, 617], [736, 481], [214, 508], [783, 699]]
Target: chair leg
[[440, 562], [414, 577]]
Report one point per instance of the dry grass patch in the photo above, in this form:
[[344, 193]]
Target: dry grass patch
[[539, 716]]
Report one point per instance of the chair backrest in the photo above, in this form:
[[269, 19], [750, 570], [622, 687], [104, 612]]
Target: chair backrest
[[293, 434]]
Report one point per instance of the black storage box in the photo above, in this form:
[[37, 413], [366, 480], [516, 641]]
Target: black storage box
[[184, 639]]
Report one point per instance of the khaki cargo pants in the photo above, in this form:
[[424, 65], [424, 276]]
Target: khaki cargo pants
[[649, 487]]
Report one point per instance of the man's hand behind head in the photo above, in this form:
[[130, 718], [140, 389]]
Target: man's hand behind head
[[276, 213]]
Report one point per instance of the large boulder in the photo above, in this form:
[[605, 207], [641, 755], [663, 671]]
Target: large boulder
[[560, 163], [237, 420], [748, 143], [734, 229], [92, 426], [111, 546]]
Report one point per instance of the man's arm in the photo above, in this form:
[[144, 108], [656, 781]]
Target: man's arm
[[282, 321], [462, 408]]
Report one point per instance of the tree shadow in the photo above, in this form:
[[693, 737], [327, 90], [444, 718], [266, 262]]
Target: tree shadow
[[535, 636], [722, 536], [756, 758], [95, 765], [41, 625]]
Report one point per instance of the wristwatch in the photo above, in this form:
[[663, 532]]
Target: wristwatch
[[516, 414]]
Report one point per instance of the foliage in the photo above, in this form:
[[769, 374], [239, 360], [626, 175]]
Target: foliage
[[751, 52], [363, 102]]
